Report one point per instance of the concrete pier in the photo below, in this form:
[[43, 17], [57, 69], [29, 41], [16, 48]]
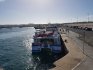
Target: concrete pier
[[72, 59]]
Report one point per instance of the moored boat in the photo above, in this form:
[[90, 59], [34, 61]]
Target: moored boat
[[49, 40]]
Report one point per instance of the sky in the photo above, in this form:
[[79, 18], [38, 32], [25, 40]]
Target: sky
[[45, 11]]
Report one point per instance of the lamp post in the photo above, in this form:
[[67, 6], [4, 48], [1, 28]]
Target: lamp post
[[84, 42], [88, 17]]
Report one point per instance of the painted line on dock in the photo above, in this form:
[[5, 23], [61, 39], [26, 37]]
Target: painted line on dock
[[78, 64]]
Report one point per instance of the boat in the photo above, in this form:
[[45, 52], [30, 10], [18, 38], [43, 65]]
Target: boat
[[48, 45], [47, 40]]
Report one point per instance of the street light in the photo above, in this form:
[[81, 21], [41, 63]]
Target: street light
[[84, 42]]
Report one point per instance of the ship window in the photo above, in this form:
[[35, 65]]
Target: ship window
[[48, 41]]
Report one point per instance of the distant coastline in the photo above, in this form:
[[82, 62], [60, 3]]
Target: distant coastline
[[31, 25], [43, 25]]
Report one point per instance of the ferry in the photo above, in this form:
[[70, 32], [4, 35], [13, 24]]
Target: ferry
[[47, 41]]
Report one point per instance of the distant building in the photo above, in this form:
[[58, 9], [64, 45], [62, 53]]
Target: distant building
[[80, 24]]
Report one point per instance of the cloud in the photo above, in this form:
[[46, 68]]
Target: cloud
[[39, 3], [2, 0]]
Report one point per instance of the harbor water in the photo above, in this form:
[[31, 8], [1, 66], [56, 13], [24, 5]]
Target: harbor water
[[15, 49]]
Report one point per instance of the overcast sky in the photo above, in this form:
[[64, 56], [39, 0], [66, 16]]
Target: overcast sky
[[44, 11]]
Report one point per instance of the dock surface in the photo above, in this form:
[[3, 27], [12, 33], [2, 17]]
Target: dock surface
[[73, 58], [87, 64]]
